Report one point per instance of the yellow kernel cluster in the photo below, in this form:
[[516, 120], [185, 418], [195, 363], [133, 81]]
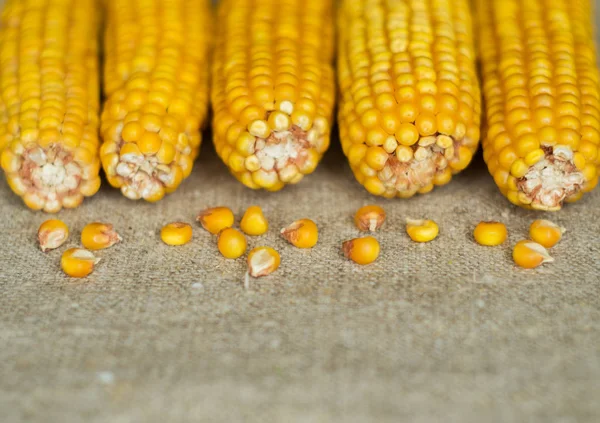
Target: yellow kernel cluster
[[490, 233], [541, 90], [78, 263], [176, 233], [52, 234], [156, 84], [50, 101], [272, 88], [302, 233], [215, 219], [98, 236], [409, 110]]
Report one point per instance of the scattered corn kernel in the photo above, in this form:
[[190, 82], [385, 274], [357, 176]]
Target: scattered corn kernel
[[422, 230], [231, 243], [254, 222], [97, 236], [302, 233], [78, 263], [215, 219], [490, 233], [263, 261], [546, 233], [529, 254], [176, 233], [52, 234], [361, 250], [369, 218]]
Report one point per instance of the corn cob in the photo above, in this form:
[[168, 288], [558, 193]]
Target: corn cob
[[273, 88], [156, 83], [540, 85], [49, 101], [410, 102]]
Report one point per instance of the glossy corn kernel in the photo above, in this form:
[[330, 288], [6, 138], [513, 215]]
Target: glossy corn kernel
[[272, 88], [409, 97], [215, 219], [542, 94], [361, 250], [254, 222], [369, 218], [546, 233], [529, 254], [263, 261], [156, 86], [490, 233], [52, 234], [78, 263], [49, 86], [97, 236], [176, 233], [422, 230], [302, 233], [231, 243]]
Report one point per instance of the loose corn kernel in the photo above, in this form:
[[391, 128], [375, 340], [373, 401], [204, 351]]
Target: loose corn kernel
[[97, 236], [254, 222], [422, 230], [490, 233], [78, 263], [176, 233], [215, 219], [52, 234], [231, 243], [263, 261], [546, 233], [302, 233], [529, 254], [361, 250], [369, 218]]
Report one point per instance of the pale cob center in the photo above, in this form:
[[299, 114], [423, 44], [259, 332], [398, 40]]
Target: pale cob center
[[551, 180]]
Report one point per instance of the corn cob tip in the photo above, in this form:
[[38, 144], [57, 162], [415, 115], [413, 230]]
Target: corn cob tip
[[550, 181], [50, 178]]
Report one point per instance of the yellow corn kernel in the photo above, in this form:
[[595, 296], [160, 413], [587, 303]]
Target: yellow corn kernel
[[529, 254], [97, 236], [231, 243], [546, 233], [361, 250], [263, 261], [215, 219], [420, 230], [369, 218], [302, 233], [254, 222], [78, 263], [490, 233], [176, 233], [52, 234]]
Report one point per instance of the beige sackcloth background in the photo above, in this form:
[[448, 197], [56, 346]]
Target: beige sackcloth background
[[443, 332]]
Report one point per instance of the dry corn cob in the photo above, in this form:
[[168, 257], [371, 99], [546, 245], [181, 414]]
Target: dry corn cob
[[156, 83], [540, 84], [273, 88], [409, 109], [50, 101]]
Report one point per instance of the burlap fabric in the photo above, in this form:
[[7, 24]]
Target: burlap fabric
[[443, 332]]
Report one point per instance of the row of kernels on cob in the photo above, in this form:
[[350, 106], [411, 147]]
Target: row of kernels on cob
[[273, 89], [157, 93], [409, 97]]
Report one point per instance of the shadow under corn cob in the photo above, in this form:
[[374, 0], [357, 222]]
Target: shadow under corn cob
[[272, 88], [540, 82], [409, 109], [156, 83], [50, 101]]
